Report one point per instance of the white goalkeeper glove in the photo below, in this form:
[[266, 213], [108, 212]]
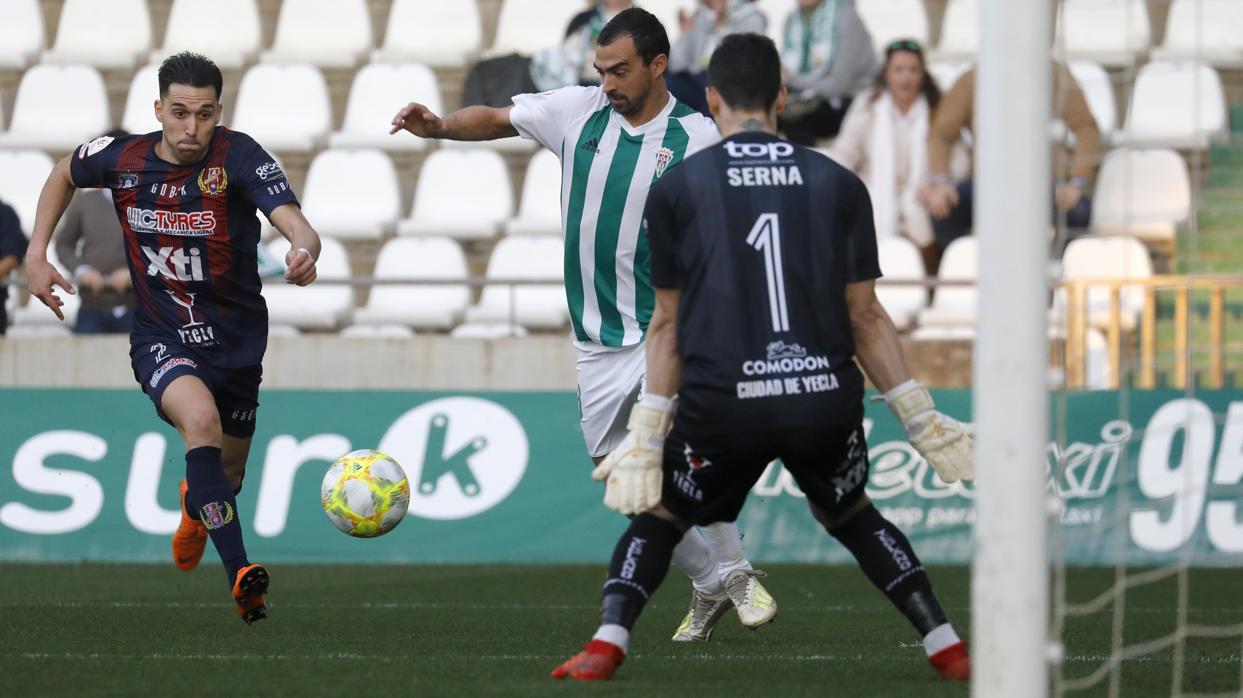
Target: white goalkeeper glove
[[940, 439], [632, 472]]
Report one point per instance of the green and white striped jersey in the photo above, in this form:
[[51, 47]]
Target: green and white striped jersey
[[607, 167]]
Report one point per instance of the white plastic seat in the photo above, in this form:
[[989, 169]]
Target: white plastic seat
[[955, 305], [60, 330], [1178, 105], [524, 257], [226, 31], [21, 32], [1099, 92], [488, 330], [512, 144], [113, 34], [378, 92], [325, 33], [463, 194], [319, 305], [1204, 30], [1112, 32], [1105, 257], [888, 20], [378, 331], [144, 90], [946, 73], [434, 32], [352, 194], [420, 305], [528, 26], [960, 32], [283, 330], [1144, 193], [539, 212], [900, 261], [41, 118], [22, 174], [266, 111]]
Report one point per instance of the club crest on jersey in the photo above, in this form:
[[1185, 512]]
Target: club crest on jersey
[[127, 180], [216, 515], [213, 181], [664, 157]]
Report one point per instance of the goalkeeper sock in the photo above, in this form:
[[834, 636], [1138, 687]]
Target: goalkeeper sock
[[726, 543], [216, 506], [640, 562], [887, 558], [695, 558]]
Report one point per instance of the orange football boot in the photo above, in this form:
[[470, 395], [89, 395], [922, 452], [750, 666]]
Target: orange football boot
[[597, 662], [190, 540], [248, 593]]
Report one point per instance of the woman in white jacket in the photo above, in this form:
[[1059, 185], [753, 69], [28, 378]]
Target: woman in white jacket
[[884, 140]]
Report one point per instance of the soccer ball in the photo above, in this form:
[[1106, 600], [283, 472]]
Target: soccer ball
[[365, 493]]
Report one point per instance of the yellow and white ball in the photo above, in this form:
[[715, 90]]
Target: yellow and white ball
[[365, 493]]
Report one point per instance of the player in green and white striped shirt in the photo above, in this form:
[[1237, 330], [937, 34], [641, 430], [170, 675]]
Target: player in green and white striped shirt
[[614, 141]]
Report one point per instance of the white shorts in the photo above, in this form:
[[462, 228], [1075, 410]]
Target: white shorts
[[609, 382]]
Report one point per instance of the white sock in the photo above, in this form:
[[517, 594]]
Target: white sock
[[614, 635], [693, 556], [726, 544], [941, 637]]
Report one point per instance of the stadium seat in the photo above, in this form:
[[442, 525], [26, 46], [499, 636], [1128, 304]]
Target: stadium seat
[[900, 261], [959, 31], [1204, 30], [318, 306], [114, 34], [1099, 92], [21, 33], [1176, 105], [955, 305], [436, 306], [40, 331], [325, 33], [41, 118], [36, 313], [283, 330], [463, 194], [888, 20], [435, 32], [1112, 32], [144, 90], [947, 73], [226, 31], [536, 257], [513, 144], [528, 26], [378, 92], [378, 331], [266, 107], [1145, 193], [352, 194], [777, 12], [22, 174], [488, 330], [1105, 257], [539, 213]]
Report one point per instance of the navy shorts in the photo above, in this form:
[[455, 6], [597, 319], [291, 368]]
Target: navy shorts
[[236, 390]]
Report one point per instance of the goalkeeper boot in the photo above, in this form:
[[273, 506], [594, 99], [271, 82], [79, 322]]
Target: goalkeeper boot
[[248, 593], [190, 540], [597, 661], [755, 605], [952, 663], [705, 611]]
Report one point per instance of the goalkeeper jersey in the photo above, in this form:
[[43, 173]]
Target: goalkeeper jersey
[[607, 167]]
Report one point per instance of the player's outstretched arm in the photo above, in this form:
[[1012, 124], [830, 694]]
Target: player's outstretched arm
[[304, 244], [475, 123], [942, 441], [41, 277]]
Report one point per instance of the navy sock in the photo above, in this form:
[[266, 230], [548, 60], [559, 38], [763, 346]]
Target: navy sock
[[887, 558], [640, 562], [216, 506]]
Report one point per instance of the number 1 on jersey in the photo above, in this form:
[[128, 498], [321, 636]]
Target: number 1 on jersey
[[765, 236]]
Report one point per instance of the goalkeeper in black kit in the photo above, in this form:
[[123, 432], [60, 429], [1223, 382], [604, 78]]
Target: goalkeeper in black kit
[[763, 256]]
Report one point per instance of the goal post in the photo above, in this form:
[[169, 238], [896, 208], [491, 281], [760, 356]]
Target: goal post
[[1010, 570]]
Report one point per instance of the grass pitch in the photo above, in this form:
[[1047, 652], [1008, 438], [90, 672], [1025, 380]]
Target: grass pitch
[[138, 630]]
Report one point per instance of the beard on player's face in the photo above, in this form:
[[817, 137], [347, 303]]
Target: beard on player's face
[[630, 104]]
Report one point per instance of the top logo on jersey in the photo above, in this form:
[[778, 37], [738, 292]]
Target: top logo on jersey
[[773, 152], [91, 147], [213, 181], [664, 157]]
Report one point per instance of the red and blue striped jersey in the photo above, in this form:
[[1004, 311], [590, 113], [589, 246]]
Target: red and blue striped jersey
[[191, 238]]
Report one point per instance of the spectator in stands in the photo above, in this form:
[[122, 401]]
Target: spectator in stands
[[884, 140], [12, 251], [91, 245], [951, 204], [571, 62], [828, 58], [702, 29]]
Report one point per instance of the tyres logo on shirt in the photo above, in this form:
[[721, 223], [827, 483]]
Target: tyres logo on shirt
[[463, 455], [213, 181]]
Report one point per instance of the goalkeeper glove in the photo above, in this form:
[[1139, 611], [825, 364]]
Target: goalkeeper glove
[[940, 439], [632, 472]]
